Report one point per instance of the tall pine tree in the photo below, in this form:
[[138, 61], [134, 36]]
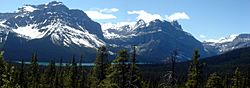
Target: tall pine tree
[[60, 74], [34, 72], [194, 73], [22, 76], [119, 71], [99, 70], [236, 80], [226, 81], [82, 77], [50, 74], [3, 68], [73, 73], [134, 75]]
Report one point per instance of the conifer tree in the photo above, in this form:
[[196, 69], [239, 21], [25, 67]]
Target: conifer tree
[[56, 83], [67, 75], [226, 82], [10, 78], [82, 74], [34, 72], [119, 70], [134, 77], [248, 78], [244, 82], [57, 74], [194, 74], [236, 80], [50, 74], [214, 81], [60, 72], [73, 73], [3, 68], [22, 76], [99, 70]]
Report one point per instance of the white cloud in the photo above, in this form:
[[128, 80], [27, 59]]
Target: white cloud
[[177, 16], [107, 10], [101, 14], [147, 17], [96, 15], [202, 36]]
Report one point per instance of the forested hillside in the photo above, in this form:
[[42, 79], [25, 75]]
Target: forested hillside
[[123, 72]]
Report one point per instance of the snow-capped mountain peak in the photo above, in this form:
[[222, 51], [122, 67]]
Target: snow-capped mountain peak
[[54, 3], [140, 24], [31, 8], [225, 44], [54, 30], [65, 26], [229, 38], [26, 8]]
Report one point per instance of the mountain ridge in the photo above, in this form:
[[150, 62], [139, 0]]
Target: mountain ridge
[[53, 30], [229, 43]]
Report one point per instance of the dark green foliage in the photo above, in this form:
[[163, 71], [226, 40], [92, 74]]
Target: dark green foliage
[[214, 81], [22, 76], [135, 80], [118, 71], [82, 74], [73, 73], [236, 80], [3, 68], [60, 74], [10, 79], [34, 72], [194, 74], [99, 70], [50, 74], [9, 75], [123, 72], [233, 57], [226, 81]]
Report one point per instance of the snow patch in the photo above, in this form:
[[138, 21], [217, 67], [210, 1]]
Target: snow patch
[[29, 8], [29, 31], [109, 25], [67, 36], [1, 23]]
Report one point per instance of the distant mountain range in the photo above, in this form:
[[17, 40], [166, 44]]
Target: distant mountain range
[[53, 30], [228, 43]]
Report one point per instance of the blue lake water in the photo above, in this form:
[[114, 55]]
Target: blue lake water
[[57, 64], [64, 64]]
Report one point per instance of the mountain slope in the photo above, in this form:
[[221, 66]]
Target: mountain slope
[[155, 40], [52, 30], [228, 43], [240, 56]]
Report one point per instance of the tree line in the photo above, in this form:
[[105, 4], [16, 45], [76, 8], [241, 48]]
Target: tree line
[[122, 72]]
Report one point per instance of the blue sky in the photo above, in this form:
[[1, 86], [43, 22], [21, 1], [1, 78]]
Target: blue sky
[[205, 19]]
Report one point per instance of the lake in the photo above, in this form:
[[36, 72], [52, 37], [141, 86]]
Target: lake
[[64, 64]]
